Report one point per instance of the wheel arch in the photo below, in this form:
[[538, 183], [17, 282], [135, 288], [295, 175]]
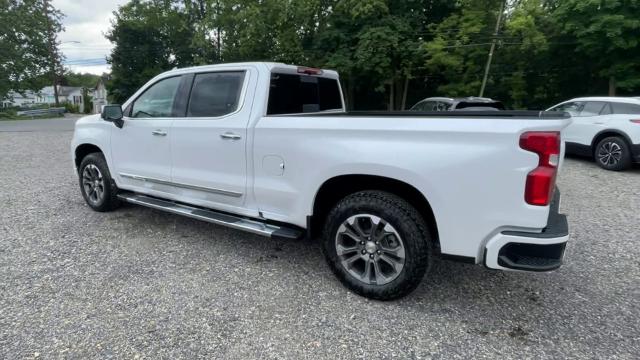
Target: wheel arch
[[83, 150], [608, 133], [336, 188]]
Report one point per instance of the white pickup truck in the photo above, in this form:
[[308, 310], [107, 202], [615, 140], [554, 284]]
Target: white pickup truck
[[269, 148]]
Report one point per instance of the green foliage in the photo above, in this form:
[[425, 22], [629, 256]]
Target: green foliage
[[610, 28], [87, 101], [71, 108], [143, 45], [458, 51], [27, 39], [389, 53], [87, 80], [8, 113]]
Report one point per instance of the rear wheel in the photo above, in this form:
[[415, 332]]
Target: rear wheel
[[97, 187], [377, 244], [613, 153]]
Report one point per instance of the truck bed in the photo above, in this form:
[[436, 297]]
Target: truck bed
[[522, 114]]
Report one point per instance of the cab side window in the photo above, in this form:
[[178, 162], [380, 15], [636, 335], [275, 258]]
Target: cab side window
[[157, 101], [592, 108], [426, 106], [625, 108], [573, 108], [443, 106], [215, 94]]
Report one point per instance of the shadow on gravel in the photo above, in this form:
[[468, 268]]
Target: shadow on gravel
[[449, 288], [635, 169]]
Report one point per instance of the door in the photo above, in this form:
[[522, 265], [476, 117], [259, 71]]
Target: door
[[141, 150], [209, 144], [589, 121], [573, 108]]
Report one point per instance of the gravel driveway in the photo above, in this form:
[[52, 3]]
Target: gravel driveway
[[138, 283]]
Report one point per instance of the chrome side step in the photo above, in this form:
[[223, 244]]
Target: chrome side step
[[235, 222]]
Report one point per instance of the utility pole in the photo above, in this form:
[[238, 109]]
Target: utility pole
[[53, 56], [218, 31], [493, 48]]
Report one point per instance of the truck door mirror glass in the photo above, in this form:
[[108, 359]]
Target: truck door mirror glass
[[113, 113]]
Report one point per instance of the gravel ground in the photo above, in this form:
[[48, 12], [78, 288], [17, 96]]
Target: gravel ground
[[138, 283]]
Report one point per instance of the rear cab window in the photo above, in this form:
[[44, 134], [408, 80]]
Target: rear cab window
[[303, 93]]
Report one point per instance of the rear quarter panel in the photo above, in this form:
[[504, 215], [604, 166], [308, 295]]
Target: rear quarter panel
[[471, 170]]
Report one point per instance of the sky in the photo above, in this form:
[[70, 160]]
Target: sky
[[82, 42]]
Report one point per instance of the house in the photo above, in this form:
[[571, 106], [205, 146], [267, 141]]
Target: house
[[72, 95], [27, 99], [99, 96], [66, 94]]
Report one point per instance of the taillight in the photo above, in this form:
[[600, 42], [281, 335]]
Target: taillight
[[541, 180], [635, 121]]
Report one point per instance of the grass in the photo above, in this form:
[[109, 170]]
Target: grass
[[11, 114]]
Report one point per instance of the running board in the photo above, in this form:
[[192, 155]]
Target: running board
[[234, 222]]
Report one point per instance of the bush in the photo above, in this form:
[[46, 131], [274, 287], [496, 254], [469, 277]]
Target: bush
[[8, 113], [71, 108]]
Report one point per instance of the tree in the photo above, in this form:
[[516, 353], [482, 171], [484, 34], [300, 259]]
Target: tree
[[607, 33], [87, 101], [459, 48], [27, 40], [524, 56], [142, 49], [378, 43], [87, 80]]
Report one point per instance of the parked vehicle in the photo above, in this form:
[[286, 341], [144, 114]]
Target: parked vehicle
[[268, 148], [605, 128], [470, 103]]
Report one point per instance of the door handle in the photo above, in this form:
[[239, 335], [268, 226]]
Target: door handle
[[159, 133], [230, 136]]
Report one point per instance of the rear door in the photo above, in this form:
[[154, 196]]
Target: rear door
[[209, 143], [592, 117]]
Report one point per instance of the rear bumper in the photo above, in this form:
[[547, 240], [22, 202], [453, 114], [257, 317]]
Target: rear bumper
[[525, 251]]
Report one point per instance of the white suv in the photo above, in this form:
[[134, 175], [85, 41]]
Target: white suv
[[605, 128]]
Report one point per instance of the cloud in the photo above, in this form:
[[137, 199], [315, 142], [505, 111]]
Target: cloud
[[83, 43]]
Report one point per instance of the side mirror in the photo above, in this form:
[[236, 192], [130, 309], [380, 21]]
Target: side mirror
[[113, 113]]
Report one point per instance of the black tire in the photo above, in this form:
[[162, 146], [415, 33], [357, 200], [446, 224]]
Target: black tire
[[406, 221], [613, 153], [108, 200]]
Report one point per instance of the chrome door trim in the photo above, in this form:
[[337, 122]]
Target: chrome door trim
[[184, 186]]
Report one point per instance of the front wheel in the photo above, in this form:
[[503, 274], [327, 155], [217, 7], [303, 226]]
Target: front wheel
[[97, 187], [377, 244], [613, 153]]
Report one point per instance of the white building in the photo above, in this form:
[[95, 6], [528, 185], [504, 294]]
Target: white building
[[99, 96], [66, 94], [21, 100]]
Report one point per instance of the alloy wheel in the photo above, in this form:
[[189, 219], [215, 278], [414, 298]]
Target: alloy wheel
[[609, 153], [93, 183], [370, 249]]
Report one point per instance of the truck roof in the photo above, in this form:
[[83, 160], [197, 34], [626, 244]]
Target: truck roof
[[621, 99], [269, 66]]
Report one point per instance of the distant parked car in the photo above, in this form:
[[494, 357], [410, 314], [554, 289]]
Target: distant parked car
[[605, 128], [470, 103]]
